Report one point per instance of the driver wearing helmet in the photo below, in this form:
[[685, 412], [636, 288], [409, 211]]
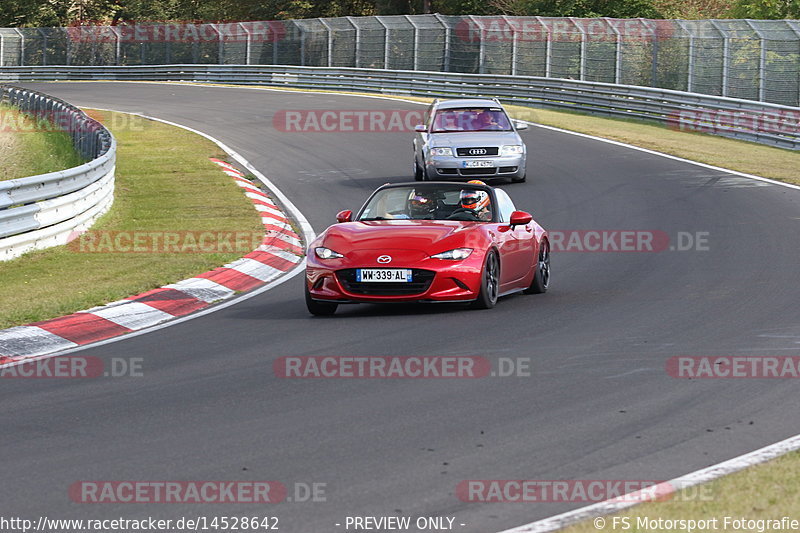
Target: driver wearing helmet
[[422, 205], [476, 202]]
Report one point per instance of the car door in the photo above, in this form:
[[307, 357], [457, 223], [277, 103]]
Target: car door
[[421, 138], [516, 245]]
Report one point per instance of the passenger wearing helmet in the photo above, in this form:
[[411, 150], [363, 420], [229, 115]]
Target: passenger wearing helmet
[[474, 204], [422, 205]]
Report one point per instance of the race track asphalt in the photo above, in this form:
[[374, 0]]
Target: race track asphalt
[[598, 403]]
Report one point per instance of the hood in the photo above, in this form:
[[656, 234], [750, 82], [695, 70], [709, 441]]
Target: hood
[[467, 139], [425, 235]]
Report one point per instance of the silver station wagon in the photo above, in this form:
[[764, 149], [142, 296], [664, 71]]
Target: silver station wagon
[[468, 139]]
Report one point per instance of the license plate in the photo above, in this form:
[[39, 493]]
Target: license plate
[[397, 275], [478, 164]]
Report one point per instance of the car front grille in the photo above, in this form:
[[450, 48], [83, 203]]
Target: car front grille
[[422, 279], [465, 152], [486, 171]]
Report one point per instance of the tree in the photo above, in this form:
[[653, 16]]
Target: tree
[[578, 8], [19, 12], [767, 9], [465, 7], [694, 9]]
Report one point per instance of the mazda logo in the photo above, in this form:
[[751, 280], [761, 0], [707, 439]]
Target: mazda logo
[[385, 259], [477, 151]]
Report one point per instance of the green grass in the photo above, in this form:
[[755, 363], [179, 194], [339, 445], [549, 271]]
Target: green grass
[[751, 158], [761, 160], [29, 147], [762, 492], [164, 182], [766, 491]]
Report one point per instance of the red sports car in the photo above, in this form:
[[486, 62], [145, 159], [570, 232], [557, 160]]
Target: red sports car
[[428, 242]]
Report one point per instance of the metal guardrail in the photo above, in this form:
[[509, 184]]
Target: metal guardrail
[[736, 58], [46, 210], [748, 120]]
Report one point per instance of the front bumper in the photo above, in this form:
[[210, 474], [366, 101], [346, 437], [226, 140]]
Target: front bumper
[[449, 167], [435, 280]]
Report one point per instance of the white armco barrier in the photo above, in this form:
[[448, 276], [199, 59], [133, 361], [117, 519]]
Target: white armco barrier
[[46, 210]]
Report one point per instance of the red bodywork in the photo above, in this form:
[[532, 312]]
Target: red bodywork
[[410, 244]]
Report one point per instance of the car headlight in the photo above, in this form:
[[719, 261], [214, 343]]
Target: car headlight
[[454, 255], [514, 149], [326, 253], [444, 150]]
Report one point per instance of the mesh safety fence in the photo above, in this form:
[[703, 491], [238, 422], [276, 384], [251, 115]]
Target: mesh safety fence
[[751, 59]]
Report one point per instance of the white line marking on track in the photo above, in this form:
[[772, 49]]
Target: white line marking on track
[[271, 211], [202, 289], [255, 269], [17, 341], [305, 227], [705, 475], [558, 521], [133, 315], [400, 99], [700, 476], [258, 195]]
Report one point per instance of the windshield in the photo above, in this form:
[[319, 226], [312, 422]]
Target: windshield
[[470, 119], [430, 203]]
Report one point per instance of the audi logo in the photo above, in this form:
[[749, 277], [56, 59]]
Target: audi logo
[[385, 259], [477, 151]]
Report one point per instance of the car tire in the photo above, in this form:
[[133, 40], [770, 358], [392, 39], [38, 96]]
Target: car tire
[[490, 283], [418, 172], [541, 278], [520, 180], [318, 308]]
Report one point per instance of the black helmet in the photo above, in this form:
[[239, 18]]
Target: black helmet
[[421, 204]]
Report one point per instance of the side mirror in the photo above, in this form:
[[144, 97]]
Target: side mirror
[[344, 216], [520, 125], [420, 128], [520, 218]]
